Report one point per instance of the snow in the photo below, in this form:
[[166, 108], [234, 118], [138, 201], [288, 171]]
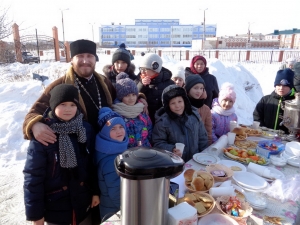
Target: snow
[[18, 91]]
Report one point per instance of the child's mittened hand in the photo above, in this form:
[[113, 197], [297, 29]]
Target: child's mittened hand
[[177, 152], [95, 201], [146, 81]]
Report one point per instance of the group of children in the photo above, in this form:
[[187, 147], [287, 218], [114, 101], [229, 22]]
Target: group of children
[[177, 113]]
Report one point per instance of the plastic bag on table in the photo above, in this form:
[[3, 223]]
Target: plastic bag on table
[[285, 189]]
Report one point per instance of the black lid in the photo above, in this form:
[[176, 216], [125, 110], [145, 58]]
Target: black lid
[[141, 163]]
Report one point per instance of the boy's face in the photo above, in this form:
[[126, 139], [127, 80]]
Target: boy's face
[[130, 99], [199, 66], [117, 132], [178, 81], [196, 91], [282, 90], [66, 110], [177, 105], [226, 103], [147, 72], [120, 66]]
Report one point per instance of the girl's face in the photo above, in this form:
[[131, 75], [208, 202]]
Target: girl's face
[[196, 91], [130, 99], [226, 103], [178, 81], [199, 66], [66, 110], [120, 66], [117, 132], [177, 105]]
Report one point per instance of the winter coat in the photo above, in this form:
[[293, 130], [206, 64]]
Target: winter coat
[[109, 181], [166, 133], [268, 110], [139, 129], [154, 90], [211, 85], [220, 124], [297, 76], [206, 117], [55, 193], [111, 74], [90, 111]]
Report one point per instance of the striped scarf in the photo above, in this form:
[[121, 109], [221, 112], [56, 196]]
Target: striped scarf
[[66, 150]]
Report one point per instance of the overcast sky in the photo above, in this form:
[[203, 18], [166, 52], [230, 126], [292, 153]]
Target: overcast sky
[[231, 16]]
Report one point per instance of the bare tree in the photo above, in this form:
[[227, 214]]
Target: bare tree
[[5, 23]]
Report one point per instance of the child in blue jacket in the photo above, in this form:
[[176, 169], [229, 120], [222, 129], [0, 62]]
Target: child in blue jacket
[[110, 142]]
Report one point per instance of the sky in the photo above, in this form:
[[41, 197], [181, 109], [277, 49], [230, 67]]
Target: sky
[[17, 96], [82, 17]]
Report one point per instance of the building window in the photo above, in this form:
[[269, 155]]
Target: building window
[[165, 42]]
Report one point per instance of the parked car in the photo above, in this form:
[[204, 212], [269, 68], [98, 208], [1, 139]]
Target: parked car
[[27, 57]]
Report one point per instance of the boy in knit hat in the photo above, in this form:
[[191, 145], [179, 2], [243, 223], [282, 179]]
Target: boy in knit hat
[[120, 63], [223, 111], [56, 174], [199, 67], [178, 122], [178, 76], [152, 80], [110, 142], [138, 124], [268, 110], [195, 88]]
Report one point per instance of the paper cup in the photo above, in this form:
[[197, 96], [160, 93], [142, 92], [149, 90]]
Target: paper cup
[[180, 146], [232, 125], [231, 137], [255, 124]]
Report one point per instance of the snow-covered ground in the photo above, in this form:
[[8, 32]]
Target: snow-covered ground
[[18, 91]]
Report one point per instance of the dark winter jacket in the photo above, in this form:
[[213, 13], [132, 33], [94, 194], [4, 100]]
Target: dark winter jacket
[[167, 132], [211, 85], [297, 76], [268, 110], [154, 90], [55, 193], [111, 74]]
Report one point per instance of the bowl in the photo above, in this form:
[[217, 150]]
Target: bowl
[[244, 206], [278, 160], [227, 170], [207, 178], [206, 200]]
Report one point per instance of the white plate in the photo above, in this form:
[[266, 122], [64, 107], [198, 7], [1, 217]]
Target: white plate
[[205, 159], [230, 163], [272, 170], [216, 219], [249, 180], [253, 190], [291, 161], [268, 134]]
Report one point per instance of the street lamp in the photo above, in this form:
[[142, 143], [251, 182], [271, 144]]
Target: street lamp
[[203, 37], [62, 21], [92, 29]]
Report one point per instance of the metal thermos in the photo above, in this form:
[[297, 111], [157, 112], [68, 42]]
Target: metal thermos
[[145, 182]]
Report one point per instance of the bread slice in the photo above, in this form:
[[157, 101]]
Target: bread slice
[[198, 184], [191, 197], [200, 207]]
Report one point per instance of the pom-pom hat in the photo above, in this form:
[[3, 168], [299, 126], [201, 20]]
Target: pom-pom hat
[[227, 92], [121, 54], [125, 86]]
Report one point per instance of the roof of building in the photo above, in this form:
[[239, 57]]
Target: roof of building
[[292, 31]]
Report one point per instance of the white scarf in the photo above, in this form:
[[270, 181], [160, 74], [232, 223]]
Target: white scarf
[[128, 111], [225, 112]]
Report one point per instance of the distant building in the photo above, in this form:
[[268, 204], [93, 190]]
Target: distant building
[[154, 33], [287, 38]]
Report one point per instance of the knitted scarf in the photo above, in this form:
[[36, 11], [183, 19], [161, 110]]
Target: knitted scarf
[[218, 109], [66, 150], [128, 111]]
